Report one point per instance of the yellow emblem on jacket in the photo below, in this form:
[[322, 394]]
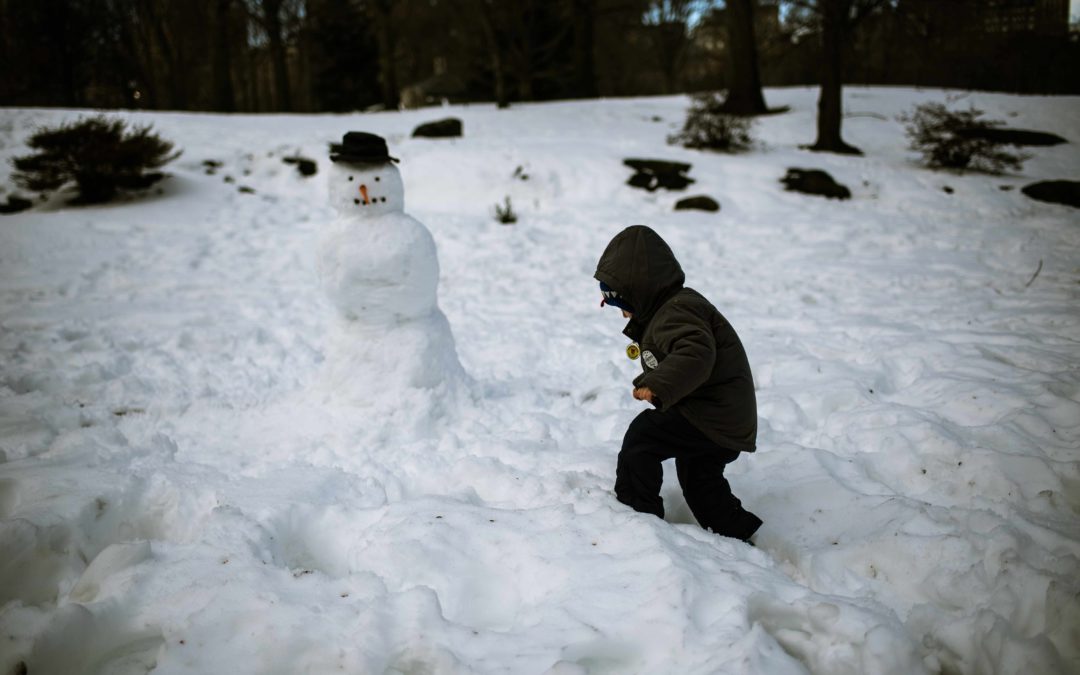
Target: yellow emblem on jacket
[[633, 351]]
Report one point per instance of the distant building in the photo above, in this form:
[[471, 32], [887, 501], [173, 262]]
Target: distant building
[[1041, 17], [993, 17], [444, 84]]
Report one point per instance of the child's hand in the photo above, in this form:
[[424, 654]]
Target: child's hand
[[644, 394]]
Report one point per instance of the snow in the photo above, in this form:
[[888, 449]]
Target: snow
[[185, 491]]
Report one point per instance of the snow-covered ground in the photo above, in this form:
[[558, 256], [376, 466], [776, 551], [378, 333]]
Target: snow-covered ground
[[179, 495]]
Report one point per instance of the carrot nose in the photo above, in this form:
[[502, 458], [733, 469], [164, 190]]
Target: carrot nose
[[363, 193]]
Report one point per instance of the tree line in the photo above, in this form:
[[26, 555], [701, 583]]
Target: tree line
[[341, 55]]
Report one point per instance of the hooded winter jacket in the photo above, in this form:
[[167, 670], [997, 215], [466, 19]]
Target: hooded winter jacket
[[692, 359]]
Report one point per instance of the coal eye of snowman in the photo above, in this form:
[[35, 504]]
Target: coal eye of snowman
[[376, 179], [350, 178]]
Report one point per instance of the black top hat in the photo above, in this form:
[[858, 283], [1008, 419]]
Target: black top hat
[[360, 147]]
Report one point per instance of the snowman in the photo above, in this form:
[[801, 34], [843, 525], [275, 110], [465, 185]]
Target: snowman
[[380, 271]]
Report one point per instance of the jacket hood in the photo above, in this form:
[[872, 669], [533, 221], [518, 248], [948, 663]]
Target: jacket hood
[[640, 266]]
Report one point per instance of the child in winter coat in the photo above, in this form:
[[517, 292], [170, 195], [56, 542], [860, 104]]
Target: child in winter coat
[[696, 376]]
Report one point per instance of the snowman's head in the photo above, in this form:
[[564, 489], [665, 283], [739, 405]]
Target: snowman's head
[[363, 178], [366, 190]]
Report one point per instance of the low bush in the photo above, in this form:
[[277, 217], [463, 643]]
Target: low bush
[[505, 213], [958, 139], [15, 204], [707, 127], [99, 154]]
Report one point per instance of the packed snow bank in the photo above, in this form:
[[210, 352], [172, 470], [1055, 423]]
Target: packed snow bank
[[179, 494]]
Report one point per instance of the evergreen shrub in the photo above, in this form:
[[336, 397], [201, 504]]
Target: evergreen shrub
[[99, 154], [708, 127], [958, 139], [505, 213]]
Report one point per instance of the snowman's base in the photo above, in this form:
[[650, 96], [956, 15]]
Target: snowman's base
[[390, 368]]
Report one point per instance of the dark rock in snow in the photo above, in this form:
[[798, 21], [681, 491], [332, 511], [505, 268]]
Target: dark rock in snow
[[246, 190], [653, 174], [15, 204], [306, 167], [657, 166], [1013, 136], [645, 181], [1065, 192], [698, 203], [450, 127], [814, 182]]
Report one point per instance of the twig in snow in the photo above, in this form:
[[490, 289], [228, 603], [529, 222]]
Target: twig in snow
[[866, 114], [1037, 270]]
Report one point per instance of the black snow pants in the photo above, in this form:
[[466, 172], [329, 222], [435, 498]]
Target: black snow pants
[[655, 436]]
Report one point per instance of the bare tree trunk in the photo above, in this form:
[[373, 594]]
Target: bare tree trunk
[[584, 19], [7, 74], [254, 101], [670, 41], [305, 86], [523, 54], [174, 72], [224, 98], [379, 12], [69, 94], [744, 93], [498, 64], [525, 75], [148, 86], [835, 39], [272, 22], [667, 21]]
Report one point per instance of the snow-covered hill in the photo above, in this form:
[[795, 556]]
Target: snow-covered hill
[[179, 496]]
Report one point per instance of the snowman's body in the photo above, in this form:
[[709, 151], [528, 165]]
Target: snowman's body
[[380, 270]]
